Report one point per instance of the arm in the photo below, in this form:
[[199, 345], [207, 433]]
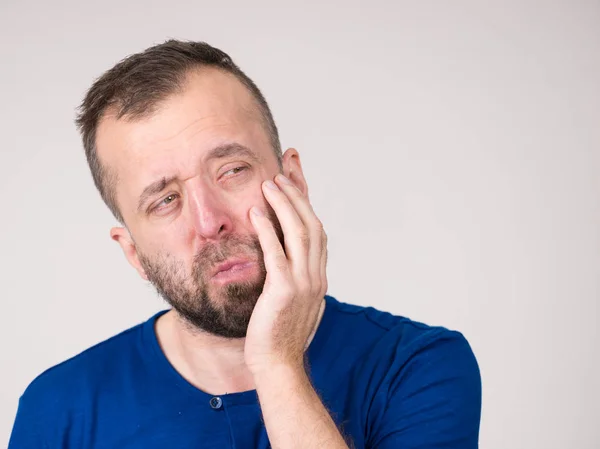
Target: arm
[[294, 415], [284, 316]]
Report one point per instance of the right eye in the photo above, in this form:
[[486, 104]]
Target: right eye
[[165, 202]]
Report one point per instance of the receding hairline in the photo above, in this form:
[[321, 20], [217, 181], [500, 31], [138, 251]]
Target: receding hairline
[[139, 84], [119, 110]]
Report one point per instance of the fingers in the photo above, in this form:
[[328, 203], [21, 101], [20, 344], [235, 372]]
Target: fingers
[[323, 266], [297, 239], [317, 247], [276, 262], [305, 238]]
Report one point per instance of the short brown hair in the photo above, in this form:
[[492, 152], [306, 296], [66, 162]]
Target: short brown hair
[[136, 86]]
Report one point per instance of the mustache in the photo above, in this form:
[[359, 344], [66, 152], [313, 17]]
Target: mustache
[[230, 245]]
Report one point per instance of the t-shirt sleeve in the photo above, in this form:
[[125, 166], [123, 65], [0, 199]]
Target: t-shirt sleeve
[[42, 414], [431, 397], [28, 427]]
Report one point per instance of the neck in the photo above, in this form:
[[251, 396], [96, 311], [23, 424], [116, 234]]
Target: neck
[[214, 364]]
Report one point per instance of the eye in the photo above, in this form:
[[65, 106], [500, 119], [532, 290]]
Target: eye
[[235, 170], [164, 203], [168, 199]]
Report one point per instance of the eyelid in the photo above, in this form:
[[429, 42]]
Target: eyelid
[[157, 205], [243, 166]]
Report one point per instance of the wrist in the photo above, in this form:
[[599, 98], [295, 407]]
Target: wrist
[[278, 374]]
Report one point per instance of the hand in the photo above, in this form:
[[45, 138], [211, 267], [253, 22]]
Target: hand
[[286, 312]]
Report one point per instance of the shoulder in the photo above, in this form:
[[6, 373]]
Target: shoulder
[[422, 381], [67, 381], [54, 405], [397, 334], [393, 348]]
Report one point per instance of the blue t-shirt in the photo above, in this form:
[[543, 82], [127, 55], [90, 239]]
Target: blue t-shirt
[[387, 381]]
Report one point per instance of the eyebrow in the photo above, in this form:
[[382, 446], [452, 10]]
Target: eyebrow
[[231, 149], [220, 152]]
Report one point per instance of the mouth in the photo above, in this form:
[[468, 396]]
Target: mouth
[[233, 269]]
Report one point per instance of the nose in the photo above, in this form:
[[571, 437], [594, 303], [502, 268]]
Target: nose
[[209, 212]]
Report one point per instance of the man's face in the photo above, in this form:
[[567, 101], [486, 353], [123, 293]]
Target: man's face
[[186, 179]]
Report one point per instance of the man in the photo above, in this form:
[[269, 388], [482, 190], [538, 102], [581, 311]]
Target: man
[[252, 353]]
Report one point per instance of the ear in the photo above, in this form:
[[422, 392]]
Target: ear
[[292, 169], [122, 237]]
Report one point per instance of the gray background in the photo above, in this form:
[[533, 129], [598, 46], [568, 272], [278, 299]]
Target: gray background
[[452, 151]]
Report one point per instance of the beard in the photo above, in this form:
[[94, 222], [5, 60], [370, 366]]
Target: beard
[[225, 310]]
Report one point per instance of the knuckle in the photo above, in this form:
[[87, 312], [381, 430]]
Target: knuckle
[[289, 291], [304, 238], [306, 290], [281, 263], [318, 224], [316, 290]]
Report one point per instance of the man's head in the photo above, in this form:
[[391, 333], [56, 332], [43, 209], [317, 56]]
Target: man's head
[[179, 140]]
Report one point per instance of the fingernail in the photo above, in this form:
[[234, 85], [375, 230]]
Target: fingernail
[[271, 185], [256, 211], [284, 180]]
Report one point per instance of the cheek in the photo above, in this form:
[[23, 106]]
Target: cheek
[[174, 240], [242, 209]]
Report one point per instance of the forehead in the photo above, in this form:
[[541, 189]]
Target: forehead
[[209, 98], [213, 108]]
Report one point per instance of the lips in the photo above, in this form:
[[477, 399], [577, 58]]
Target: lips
[[228, 264]]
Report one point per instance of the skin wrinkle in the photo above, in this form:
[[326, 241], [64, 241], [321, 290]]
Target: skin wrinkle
[[250, 113], [224, 151], [190, 163]]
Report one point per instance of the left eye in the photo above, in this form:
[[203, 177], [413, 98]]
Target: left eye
[[235, 170]]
